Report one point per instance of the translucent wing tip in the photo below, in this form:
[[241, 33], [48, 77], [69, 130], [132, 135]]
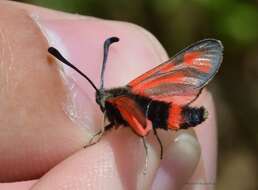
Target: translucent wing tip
[[213, 46], [213, 49], [209, 44]]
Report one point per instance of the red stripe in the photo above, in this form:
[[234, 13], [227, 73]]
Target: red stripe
[[174, 118], [165, 67], [175, 78]]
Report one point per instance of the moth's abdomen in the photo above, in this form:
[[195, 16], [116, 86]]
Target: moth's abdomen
[[193, 116], [185, 117]]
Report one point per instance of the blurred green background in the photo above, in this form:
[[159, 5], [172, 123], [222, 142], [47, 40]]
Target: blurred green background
[[177, 23]]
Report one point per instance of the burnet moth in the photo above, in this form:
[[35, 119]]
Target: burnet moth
[[161, 97]]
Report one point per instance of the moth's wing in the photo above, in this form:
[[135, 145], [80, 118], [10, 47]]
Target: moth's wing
[[131, 113], [181, 78]]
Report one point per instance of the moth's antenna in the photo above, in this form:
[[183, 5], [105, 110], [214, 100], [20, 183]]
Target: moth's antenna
[[107, 44], [53, 51]]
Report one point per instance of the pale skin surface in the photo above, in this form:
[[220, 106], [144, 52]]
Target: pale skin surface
[[38, 141]]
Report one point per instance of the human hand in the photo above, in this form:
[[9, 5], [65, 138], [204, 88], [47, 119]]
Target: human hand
[[47, 118]]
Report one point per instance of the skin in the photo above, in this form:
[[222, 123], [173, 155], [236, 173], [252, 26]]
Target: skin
[[40, 138]]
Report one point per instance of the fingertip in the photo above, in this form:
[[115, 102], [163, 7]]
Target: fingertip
[[181, 158]]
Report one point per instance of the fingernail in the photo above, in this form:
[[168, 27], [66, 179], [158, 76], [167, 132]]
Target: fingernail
[[181, 158], [80, 107]]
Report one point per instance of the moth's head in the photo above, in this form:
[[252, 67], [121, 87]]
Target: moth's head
[[100, 99]]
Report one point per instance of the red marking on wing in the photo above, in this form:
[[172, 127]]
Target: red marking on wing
[[180, 100], [174, 117], [192, 60], [132, 114], [190, 57], [181, 78], [176, 78], [163, 68]]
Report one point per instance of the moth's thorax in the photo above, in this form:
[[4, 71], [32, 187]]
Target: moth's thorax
[[104, 94]]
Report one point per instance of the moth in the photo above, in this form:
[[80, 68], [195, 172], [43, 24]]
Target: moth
[[160, 98]]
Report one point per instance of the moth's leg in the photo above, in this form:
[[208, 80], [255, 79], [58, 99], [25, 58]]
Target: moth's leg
[[160, 143], [146, 155], [155, 130], [100, 133], [109, 126]]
